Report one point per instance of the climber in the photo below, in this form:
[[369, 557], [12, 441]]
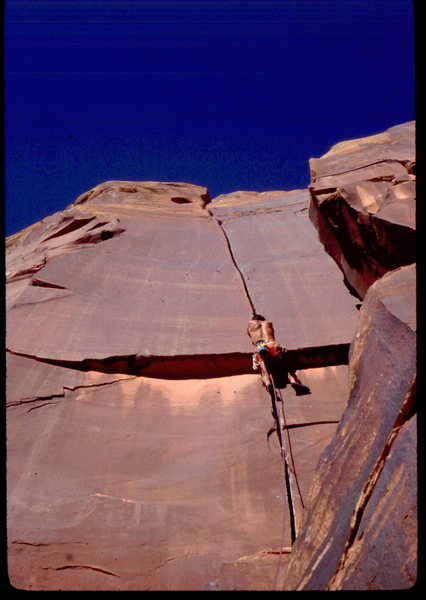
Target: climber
[[271, 357]]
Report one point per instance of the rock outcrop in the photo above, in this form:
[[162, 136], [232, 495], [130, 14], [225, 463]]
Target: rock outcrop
[[360, 529], [363, 204], [137, 431], [360, 522]]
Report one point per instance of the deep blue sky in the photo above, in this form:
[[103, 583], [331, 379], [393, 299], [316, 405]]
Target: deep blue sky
[[232, 95]]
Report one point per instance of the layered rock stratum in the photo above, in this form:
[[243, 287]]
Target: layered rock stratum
[[139, 454]]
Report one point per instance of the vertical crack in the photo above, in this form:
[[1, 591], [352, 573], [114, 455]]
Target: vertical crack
[[234, 262]]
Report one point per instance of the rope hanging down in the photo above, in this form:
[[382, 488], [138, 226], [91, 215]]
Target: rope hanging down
[[276, 373], [290, 449], [284, 459], [286, 474]]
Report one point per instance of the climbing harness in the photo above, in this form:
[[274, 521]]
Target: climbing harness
[[274, 349], [262, 348], [265, 349], [268, 348]]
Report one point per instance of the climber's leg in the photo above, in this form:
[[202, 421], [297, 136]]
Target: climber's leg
[[297, 385]]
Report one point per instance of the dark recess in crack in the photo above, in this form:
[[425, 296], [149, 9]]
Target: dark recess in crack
[[72, 226], [199, 366], [65, 567], [180, 200], [309, 424], [46, 284], [32, 400]]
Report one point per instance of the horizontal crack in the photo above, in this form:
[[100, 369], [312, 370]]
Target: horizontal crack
[[37, 544], [309, 424], [25, 273], [33, 399], [41, 406], [40, 283], [197, 366], [330, 355], [65, 567], [72, 225], [79, 387]]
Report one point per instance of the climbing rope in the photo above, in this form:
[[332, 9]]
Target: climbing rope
[[288, 470], [290, 450], [286, 450], [284, 460], [286, 476]]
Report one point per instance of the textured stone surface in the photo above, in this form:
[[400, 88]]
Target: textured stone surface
[[172, 261], [384, 553], [141, 450], [137, 483], [249, 573], [138, 450], [140, 484], [359, 530], [158, 288], [363, 204], [284, 265]]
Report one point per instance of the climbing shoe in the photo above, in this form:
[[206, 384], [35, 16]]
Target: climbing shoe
[[300, 389]]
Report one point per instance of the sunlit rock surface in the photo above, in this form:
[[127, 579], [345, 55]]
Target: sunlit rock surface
[[120, 482], [360, 528], [283, 265], [360, 521], [157, 287], [138, 455], [163, 282], [140, 446], [363, 204]]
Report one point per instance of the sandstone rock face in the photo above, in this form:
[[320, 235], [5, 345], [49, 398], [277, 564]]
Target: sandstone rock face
[[360, 522], [140, 446], [175, 249], [360, 529], [363, 204], [138, 456], [282, 263]]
